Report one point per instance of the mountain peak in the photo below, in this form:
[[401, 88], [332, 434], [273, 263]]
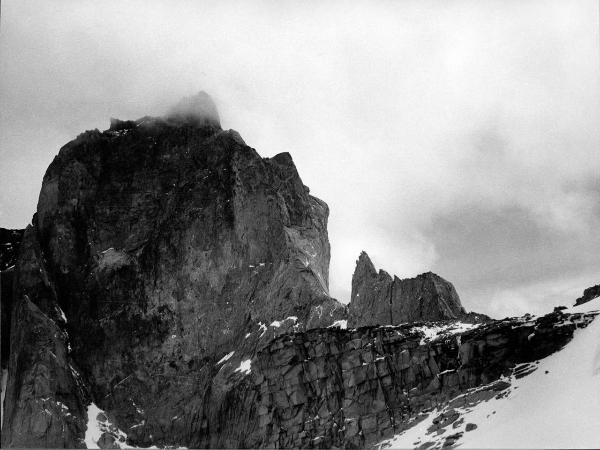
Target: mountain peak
[[364, 264], [378, 299], [199, 110]]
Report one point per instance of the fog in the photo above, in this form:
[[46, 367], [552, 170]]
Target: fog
[[454, 136]]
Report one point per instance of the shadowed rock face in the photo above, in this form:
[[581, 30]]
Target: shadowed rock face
[[379, 299], [10, 240], [158, 246]]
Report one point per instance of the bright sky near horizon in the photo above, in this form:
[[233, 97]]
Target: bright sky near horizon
[[460, 137]]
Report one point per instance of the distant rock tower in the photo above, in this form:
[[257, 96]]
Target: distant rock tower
[[379, 299]]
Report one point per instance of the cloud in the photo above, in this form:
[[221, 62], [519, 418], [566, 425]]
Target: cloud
[[418, 121]]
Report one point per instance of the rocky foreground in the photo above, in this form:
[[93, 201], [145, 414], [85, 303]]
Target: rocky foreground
[[172, 290]]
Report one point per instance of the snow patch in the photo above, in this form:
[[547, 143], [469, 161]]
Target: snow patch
[[93, 432], [142, 423], [343, 324], [432, 332], [245, 367], [226, 357], [62, 314], [278, 323], [555, 406], [97, 425], [263, 327]]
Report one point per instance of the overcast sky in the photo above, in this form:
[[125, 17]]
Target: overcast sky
[[454, 136]]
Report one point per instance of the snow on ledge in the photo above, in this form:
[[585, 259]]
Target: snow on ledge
[[555, 406], [432, 332], [277, 323], [226, 357], [343, 324], [245, 367], [262, 327]]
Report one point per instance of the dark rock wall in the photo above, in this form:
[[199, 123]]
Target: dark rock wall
[[588, 294], [45, 402], [352, 388], [379, 299], [164, 243], [10, 241]]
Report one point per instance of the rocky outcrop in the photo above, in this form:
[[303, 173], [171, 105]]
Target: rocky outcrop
[[327, 388], [588, 294], [158, 246], [10, 241], [46, 399], [379, 299]]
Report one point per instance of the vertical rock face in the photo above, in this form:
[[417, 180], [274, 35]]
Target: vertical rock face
[[332, 388], [158, 246], [379, 299], [10, 240]]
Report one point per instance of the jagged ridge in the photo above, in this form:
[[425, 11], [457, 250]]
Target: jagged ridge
[[379, 299]]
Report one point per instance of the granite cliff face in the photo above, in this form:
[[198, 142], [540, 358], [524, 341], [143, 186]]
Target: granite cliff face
[[157, 247], [10, 241], [379, 299], [329, 388]]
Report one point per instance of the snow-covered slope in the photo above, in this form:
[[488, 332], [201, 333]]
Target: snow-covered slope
[[557, 405]]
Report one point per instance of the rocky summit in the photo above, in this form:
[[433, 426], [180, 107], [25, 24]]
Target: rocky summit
[[158, 246], [379, 299], [172, 291]]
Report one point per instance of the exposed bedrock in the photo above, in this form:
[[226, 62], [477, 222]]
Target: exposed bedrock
[[10, 240], [328, 388], [157, 247]]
